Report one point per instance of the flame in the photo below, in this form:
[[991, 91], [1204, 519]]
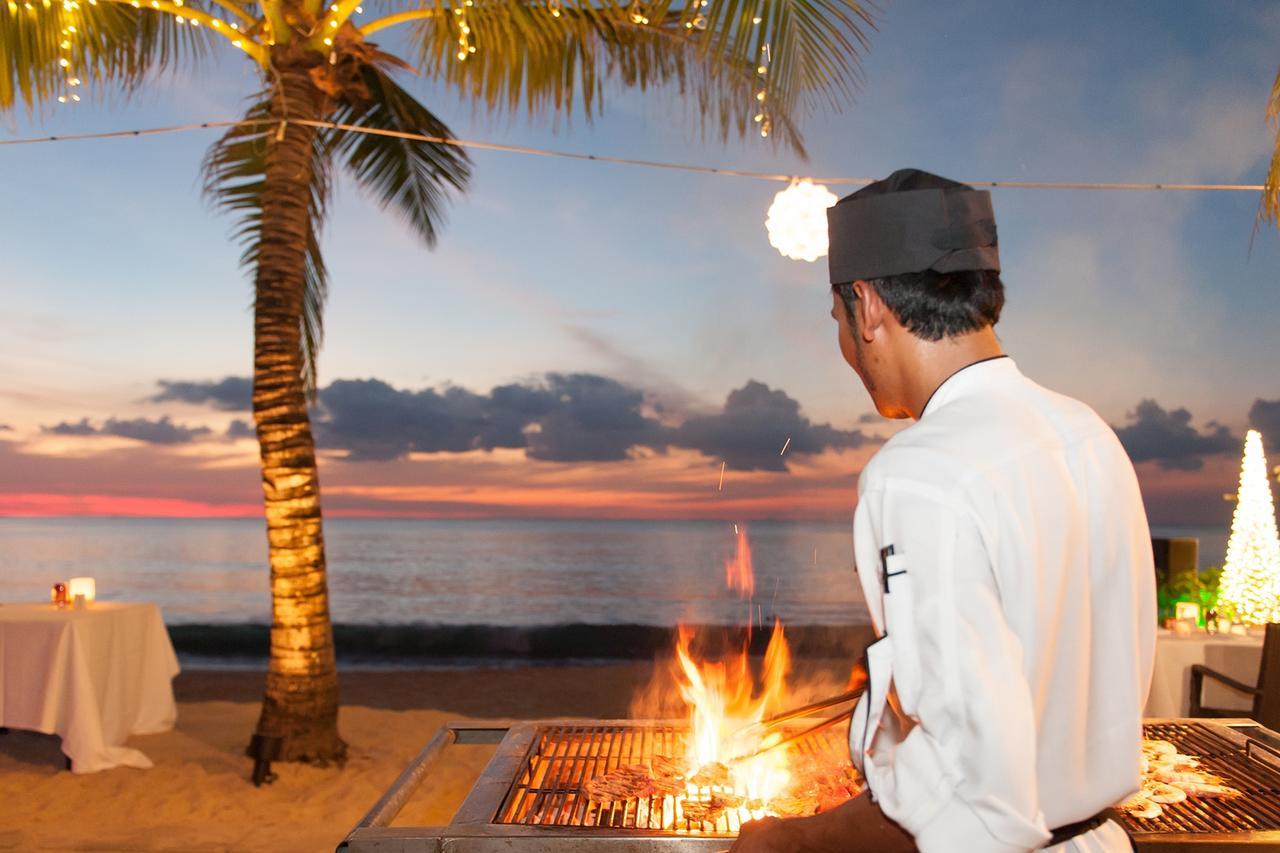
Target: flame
[[724, 703], [738, 574]]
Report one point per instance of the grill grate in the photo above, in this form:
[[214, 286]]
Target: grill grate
[[1258, 809], [549, 790]]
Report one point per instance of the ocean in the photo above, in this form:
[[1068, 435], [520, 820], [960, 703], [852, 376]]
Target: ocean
[[502, 573]]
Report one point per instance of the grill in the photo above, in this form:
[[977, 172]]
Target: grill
[[548, 791], [1244, 762], [530, 799]]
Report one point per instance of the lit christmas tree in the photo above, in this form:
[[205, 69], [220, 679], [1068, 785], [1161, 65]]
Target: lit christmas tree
[[1250, 586]]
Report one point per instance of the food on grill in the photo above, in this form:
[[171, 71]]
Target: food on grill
[[1170, 777], [669, 775], [1141, 806], [634, 781], [793, 806], [1159, 792], [709, 811], [1209, 790], [711, 775]]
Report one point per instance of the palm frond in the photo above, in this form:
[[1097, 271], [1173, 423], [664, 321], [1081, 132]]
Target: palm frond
[[234, 178], [1269, 206], [413, 177], [103, 43], [545, 56]]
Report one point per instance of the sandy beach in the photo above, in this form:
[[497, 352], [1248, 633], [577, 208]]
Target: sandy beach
[[198, 797]]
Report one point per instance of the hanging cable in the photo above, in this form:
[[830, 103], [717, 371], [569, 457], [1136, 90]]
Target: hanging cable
[[622, 161]]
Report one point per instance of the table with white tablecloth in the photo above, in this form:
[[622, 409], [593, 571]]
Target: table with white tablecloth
[[93, 676], [1234, 656]]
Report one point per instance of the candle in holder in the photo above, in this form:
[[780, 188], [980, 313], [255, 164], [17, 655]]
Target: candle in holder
[[58, 595], [77, 587]]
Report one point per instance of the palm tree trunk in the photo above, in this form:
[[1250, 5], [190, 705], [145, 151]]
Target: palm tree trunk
[[301, 701]]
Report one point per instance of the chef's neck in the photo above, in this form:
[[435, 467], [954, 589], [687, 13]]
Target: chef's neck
[[925, 365]]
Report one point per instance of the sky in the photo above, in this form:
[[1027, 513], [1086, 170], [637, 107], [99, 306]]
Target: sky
[[599, 340]]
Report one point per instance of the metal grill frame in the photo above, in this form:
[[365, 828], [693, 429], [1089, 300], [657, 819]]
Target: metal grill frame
[[548, 789], [1245, 763], [473, 830]]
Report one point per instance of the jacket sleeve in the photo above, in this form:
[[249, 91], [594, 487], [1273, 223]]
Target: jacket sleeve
[[960, 774]]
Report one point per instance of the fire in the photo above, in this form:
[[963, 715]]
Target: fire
[[738, 573], [724, 705], [725, 698]]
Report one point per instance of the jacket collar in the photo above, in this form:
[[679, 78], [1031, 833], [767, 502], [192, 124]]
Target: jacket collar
[[970, 379]]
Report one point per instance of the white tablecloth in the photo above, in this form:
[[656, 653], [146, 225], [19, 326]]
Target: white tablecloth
[[93, 677], [1235, 657]]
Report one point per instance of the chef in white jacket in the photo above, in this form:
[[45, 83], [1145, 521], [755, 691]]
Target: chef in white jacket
[[1003, 549]]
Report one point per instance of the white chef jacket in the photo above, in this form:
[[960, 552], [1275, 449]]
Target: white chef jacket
[[1005, 693]]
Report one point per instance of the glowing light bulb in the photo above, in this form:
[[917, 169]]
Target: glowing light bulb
[[333, 25], [755, 20], [359, 10], [236, 43], [760, 96], [761, 70], [328, 42], [62, 99], [759, 117], [235, 26], [797, 219], [462, 54], [181, 20], [75, 98], [65, 63]]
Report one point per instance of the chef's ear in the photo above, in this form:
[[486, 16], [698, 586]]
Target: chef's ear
[[869, 310]]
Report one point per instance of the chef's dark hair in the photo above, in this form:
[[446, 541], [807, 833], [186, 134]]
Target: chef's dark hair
[[933, 305]]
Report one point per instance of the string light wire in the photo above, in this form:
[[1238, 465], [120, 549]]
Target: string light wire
[[622, 161]]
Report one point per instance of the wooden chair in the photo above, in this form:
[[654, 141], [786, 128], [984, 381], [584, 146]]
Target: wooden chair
[[1266, 694]]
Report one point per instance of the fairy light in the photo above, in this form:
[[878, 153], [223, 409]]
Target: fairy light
[[465, 47], [762, 71], [636, 13], [65, 46], [554, 6]]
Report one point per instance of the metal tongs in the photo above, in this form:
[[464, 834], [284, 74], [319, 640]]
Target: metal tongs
[[770, 723]]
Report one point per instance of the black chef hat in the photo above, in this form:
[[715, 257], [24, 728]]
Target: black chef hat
[[911, 221]]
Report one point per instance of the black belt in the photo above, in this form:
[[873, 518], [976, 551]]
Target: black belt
[[1066, 833]]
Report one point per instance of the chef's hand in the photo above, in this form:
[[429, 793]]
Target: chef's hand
[[767, 835]]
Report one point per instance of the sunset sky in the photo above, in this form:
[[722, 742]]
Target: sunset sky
[[595, 340]]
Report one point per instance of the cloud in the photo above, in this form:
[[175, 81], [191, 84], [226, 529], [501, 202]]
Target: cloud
[[563, 418], [558, 417], [241, 429], [159, 431], [1264, 416], [232, 394], [756, 423], [1168, 438], [577, 417]]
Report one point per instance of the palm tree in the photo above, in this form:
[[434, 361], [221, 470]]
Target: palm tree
[[748, 65]]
